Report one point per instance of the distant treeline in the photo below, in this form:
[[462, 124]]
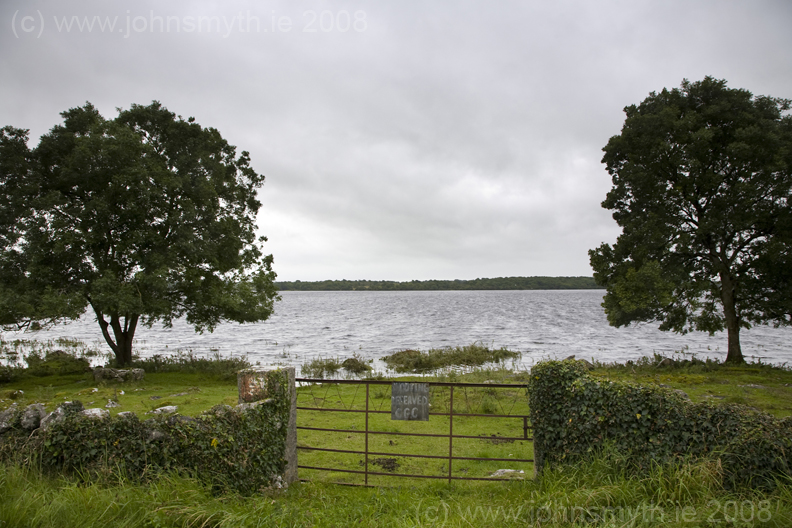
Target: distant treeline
[[500, 283]]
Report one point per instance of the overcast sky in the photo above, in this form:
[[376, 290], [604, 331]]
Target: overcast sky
[[401, 140]]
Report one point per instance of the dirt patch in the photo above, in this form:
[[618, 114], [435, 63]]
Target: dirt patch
[[388, 464], [495, 439]]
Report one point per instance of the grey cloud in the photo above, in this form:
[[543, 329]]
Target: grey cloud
[[447, 140]]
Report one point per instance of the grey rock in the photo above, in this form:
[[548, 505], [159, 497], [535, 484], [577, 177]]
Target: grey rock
[[278, 482], [6, 416], [586, 364], [111, 404], [666, 362], [111, 374], [126, 414], [219, 410], [164, 410], [156, 434], [252, 405], [682, 393], [96, 412], [60, 413], [32, 416], [753, 386], [508, 473], [178, 418]]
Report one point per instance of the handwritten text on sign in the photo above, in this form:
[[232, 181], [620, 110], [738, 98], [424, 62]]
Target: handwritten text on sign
[[410, 401]]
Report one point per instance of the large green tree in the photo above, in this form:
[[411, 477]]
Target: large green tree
[[146, 217], [702, 177]]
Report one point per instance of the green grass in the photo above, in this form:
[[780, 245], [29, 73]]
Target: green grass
[[596, 493], [192, 392], [764, 387]]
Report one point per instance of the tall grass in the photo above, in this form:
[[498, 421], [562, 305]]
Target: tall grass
[[217, 365], [465, 357], [594, 493]]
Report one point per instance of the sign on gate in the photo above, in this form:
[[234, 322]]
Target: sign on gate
[[410, 401]]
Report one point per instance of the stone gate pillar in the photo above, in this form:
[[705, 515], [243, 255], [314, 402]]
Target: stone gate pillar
[[256, 384]]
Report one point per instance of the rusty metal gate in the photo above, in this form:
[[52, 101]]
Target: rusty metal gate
[[315, 404]]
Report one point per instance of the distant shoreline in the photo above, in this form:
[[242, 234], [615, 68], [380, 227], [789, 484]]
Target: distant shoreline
[[500, 283]]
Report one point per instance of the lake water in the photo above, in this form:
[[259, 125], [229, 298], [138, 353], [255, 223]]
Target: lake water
[[540, 324]]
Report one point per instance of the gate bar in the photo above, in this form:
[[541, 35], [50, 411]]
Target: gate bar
[[408, 455], [432, 383], [525, 416], [355, 431]]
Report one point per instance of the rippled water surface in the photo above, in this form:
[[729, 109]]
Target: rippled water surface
[[540, 324]]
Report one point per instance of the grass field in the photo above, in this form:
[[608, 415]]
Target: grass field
[[596, 493], [599, 492]]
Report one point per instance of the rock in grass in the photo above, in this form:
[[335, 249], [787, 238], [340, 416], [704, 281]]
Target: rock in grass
[[509, 473], [666, 362], [164, 410], [110, 374], [96, 413]]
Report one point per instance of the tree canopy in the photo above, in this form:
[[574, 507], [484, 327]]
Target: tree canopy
[[702, 177], [146, 217]]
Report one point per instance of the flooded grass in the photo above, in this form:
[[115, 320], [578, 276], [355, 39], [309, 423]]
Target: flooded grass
[[436, 359]]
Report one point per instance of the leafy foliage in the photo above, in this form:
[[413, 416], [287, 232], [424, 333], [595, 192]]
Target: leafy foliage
[[56, 362], [574, 415], [239, 450], [146, 217], [702, 178]]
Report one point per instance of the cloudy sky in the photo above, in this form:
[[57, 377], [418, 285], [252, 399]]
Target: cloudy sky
[[401, 140]]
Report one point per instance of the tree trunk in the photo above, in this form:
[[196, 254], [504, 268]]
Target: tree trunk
[[123, 334], [734, 353]]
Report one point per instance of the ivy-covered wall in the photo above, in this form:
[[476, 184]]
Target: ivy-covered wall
[[238, 448], [574, 414]]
